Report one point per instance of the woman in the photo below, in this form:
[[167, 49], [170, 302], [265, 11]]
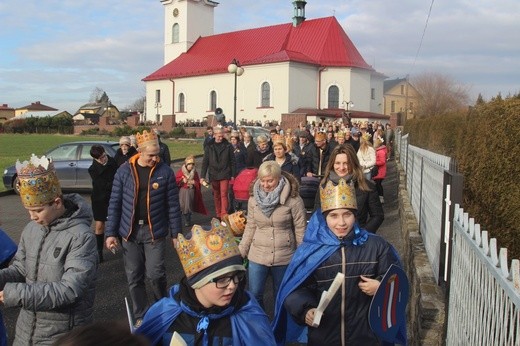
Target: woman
[[366, 155], [275, 226], [240, 152], [210, 306], [381, 154], [256, 157], [333, 243], [287, 161], [344, 164], [126, 150], [190, 195], [102, 172]]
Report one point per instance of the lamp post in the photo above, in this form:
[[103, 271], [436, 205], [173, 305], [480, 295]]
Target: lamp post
[[235, 68], [347, 104], [157, 114], [346, 117]]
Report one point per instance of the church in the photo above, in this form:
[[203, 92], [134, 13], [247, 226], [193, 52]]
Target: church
[[304, 70]]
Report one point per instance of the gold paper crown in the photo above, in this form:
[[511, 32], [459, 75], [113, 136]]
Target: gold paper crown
[[336, 196], [320, 136], [366, 137], [206, 247], [277, 138], [37, 181], [146, 138], [236, 222]]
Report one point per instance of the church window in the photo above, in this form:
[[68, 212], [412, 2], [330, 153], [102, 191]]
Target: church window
[[175, 33], [181, 103], [212, 100], [266, 94], [333, 97]]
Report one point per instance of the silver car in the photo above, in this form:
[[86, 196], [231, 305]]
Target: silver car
[[71, 161]]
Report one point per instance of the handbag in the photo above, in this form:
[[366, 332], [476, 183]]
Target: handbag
[[374, 171]]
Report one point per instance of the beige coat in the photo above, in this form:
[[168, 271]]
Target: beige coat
[[271, 241]]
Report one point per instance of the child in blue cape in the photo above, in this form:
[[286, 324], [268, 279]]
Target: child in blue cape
[[333, 243], [210, 306]]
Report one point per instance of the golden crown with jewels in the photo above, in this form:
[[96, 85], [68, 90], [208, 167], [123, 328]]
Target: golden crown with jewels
[[37, 181], [236, 222], [206, 247], [146, 138], [336, 196]]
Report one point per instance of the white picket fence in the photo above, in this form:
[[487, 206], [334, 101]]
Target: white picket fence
[[484, 300]]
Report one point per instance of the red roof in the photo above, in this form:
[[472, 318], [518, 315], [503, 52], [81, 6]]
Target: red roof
[[321, 42]]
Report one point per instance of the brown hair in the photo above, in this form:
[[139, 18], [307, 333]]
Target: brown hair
[[354, 168]]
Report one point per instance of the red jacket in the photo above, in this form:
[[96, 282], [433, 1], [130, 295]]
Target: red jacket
[[242, 182], [380, 162]]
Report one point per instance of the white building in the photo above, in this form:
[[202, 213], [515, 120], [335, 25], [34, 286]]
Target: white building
[[307, 66]]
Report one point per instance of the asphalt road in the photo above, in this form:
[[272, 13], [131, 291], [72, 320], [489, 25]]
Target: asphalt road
[[112, 287]]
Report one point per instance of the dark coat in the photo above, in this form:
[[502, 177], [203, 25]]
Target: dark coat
[[102, 178], [240, 158], [325, 159], [218, 161], [290, 164], [305, 155], [164, 153], [122, 158], [256, 158], [163, 201]]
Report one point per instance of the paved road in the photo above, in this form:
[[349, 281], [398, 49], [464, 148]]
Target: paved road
[[112, 286]]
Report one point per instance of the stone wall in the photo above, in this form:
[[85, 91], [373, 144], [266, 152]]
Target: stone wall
[[426, 307]]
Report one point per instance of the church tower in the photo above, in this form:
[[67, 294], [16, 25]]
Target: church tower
[[299, 12], [184, 22]]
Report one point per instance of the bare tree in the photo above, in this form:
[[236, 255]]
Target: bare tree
[[439, 94], [96, 94], [137, 105]]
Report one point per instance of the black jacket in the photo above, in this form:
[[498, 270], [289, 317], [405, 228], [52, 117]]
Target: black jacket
[[102, 179], [218, 161], [121, 158], [305, 155]]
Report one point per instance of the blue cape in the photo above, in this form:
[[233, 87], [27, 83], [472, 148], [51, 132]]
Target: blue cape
[[319, 243], [248, 323]]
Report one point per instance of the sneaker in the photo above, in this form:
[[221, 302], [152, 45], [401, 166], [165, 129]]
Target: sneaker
[[138, 323], [382, 199]]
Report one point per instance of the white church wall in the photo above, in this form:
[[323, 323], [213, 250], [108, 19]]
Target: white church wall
[[339, 77], [360, 92], [376, 104], [303, 87]]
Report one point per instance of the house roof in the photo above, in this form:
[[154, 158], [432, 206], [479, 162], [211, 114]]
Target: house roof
[[37, 106], [321, 42], [389, 84]]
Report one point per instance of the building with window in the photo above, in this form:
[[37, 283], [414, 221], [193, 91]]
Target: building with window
[[308, 68], [400, 97]]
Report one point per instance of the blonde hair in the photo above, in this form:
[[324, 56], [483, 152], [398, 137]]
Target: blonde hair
[[269, 168]]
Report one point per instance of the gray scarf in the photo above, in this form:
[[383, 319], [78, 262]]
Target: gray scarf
[[268, 201]]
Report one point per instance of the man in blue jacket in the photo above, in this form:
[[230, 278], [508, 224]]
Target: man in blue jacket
[[143, 210]]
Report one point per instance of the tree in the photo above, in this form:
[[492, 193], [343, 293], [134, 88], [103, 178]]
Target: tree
[[439, 94], [138, 105], [96, 94]]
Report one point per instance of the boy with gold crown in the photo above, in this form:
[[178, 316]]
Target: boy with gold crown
[[333, 243], [210, 306], [53, 274]]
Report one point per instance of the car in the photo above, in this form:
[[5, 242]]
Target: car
[[255, 131], [71, 161]]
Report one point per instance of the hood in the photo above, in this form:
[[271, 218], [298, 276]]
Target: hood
[[78, 211]]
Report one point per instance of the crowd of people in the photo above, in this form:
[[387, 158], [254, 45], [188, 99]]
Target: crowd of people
[[260, 228]]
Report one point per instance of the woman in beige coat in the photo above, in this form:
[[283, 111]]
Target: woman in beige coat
[[275, 226]]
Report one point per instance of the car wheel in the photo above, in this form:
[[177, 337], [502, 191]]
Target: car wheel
[[16, 187]]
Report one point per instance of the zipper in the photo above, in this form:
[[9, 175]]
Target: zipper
[[343, 294]]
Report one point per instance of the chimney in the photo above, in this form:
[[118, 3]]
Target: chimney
[[299, 12]]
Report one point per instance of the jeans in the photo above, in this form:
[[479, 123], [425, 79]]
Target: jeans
[[143, 256], [258, 275]]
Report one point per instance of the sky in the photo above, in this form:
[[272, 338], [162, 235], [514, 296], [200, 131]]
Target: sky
[[58, 52]]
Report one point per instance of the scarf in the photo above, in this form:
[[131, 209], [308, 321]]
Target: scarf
[[205, 319], [334, 177], [188, 175], [262, 150], [268, 201]]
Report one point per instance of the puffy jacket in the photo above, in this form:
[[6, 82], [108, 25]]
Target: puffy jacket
[[271, 241], [53, 275], [218, 160], [164, 216], [380, 162]]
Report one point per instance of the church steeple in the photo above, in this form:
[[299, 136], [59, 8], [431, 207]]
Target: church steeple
[[184, 22], [299, 12]]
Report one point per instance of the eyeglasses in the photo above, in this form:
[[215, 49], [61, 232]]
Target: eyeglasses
[[224, 281]]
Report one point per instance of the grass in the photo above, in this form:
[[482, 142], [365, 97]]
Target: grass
[[21, 146]]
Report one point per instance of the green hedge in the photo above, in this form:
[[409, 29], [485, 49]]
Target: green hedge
[[485, 145]]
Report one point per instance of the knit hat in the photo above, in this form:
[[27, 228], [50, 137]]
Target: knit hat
[[125, 140]]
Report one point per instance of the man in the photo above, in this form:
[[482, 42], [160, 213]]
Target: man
[[321, 155], [208, 137], [219, 164], [144, 209], [304, 150], [102, 172], [164, 151], [53, 274], [248, 143]]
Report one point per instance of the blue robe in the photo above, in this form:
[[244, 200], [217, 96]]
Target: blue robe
[[248, 323]]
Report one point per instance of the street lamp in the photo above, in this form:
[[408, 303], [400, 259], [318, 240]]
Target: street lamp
[[347, 104], [237, 70]]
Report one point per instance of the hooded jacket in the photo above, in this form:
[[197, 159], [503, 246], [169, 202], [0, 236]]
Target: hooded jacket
[[218, 161], [164, 215], [53, 275]]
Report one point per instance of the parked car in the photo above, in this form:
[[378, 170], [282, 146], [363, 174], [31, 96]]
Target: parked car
[[71, 161], [257, 130]]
